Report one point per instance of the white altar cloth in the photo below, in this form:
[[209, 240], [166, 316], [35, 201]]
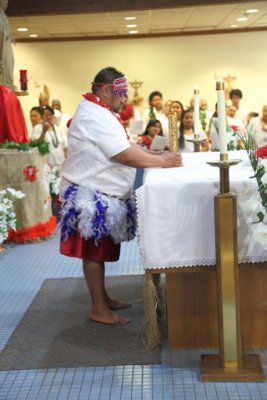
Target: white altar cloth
[[176, 212]]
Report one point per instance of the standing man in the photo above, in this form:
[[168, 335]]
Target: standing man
[[98, 207], [241, 112], [156, 111]]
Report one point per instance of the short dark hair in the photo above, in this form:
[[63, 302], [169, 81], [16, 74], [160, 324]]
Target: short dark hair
[[38, 109], [153, 94], [236, 92], [106, 75], [49, 109]]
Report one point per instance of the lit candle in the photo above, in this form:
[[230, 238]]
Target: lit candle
[[196, 111], [23, 79], [221, 116]]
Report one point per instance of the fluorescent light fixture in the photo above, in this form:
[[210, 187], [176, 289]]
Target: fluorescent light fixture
[[133, 32], [252, 11], [241, 19], [234, 26], [33, 35], [22, 29], [131, 26], [129, 18]]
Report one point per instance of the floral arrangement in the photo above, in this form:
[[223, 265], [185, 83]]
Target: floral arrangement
[[8, 218], [236, 138], [255, 206], [151, 113], [256, 155], [42, 147], [203, 118]]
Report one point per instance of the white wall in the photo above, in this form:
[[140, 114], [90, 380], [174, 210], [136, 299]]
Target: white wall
[[172, 65]]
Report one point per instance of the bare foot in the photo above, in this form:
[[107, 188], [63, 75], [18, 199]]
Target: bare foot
[[117, 304], [107, 317]]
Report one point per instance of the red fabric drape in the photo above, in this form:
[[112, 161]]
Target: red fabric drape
[[12, 122]]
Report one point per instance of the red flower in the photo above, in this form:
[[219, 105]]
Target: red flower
[[261, 152], [235, 128], [127, 112], [30, 172]]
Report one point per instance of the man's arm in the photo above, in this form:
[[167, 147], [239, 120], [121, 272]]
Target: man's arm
[[136, 157]]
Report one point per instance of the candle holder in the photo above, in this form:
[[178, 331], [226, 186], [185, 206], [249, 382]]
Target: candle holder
[[224, 164], [23, 83], [136, 85], [197, 142], [23, 80], [173, 134], [229, 364]]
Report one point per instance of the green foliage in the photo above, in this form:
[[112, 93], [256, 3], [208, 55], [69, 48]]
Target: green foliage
[[259, 172], [42, 147], [151, 113]]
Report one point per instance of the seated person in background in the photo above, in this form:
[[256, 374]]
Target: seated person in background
[[257, 128], [241, 112], [186, 132], [232, 120], [51, 133], [156, 111], [178, 108], [153, 128], [36, 117]]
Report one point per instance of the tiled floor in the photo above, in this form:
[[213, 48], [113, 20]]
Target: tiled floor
[[23, 268]]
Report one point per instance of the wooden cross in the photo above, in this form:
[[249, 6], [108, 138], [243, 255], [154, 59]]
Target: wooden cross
[[228, 79]]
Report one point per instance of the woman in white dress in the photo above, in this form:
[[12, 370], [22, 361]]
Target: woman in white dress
[[52, 134], [186, 133], [57, 141]]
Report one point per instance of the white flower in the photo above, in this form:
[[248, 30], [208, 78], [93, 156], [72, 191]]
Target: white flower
[[16, 193], [8, 218], [55, 180]]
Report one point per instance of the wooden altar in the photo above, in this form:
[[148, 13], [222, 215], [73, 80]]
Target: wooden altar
[[192, 317], [183, 248]]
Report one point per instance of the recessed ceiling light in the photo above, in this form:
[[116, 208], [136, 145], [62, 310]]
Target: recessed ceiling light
[[129, 18], [133, 32], [252, 11], [33, 35], [233, 26], [22, 29], [241, 19], [131, 26]]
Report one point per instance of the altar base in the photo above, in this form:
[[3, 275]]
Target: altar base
[[251, 370]]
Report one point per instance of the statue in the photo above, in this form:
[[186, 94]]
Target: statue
[[136, 100], [6, 51], [228, 79], [44, 96]]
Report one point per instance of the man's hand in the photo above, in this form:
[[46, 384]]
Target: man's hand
[[171, 160]]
